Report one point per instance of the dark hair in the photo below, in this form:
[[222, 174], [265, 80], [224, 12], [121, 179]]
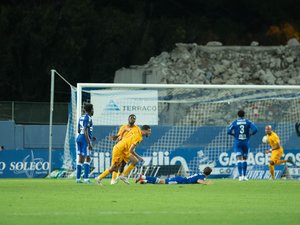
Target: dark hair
[[132, 115], [88, 107], [241, 113], [207, 170], [146, 127]]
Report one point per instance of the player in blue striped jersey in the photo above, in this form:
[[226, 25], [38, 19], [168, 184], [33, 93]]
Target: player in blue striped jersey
[[198, 178], [242, 129], [84, 143]]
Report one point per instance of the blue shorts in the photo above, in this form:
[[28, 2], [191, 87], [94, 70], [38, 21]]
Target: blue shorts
[[82, 149], [175, 180], [241, 148]]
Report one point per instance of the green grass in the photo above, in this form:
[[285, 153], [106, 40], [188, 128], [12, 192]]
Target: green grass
[[45, 201]]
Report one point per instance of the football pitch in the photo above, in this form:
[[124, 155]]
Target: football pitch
[[47, 201]]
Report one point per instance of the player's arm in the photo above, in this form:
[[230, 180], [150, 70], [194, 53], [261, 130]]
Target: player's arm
[[86, 134], [78, 128], [132, 151], [275, 147], [297, 127], [203, 182], [115, 137], [253, 128], [230, 130], [120, 135]]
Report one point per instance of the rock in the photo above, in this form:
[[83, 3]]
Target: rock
[[290, 59], [279, 81], [218, 69], [229, 64], [217, 81], [225, 62], [293, 42], [214, 43], [292, 82], [254, 43]]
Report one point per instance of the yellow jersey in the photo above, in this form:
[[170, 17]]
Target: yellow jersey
[[274, 140], [133, 137], [134, 129]]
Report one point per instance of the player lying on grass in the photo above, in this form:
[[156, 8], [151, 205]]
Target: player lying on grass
[[198, 178]]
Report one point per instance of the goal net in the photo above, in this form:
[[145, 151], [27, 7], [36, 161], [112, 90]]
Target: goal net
[[189, 123]]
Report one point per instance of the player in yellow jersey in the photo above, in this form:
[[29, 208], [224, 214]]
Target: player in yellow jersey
[[125, 149], [124, 132], [276, 150]]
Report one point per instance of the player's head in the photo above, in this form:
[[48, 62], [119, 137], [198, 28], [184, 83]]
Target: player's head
[[268, 129], [131, 119], [89, 109], [146, 130], [207, 171], [241, 113]]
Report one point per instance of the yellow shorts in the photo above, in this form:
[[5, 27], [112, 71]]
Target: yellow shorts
[[276, 155], [127, 155], [125, 160], [117, 156]]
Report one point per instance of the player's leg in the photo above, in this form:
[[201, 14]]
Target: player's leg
[[274, 158], [175, 180], [117, 158], [272, 170], [244, 168], [122, 166], [114, 179], [150, 180], [277, 160], [239, 161], [86, 166], [133, 162], [244, 162], [114, 167], [80, 160], [240, 166]]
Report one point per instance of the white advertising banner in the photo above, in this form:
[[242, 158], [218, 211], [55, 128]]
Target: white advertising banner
[[112, 107]]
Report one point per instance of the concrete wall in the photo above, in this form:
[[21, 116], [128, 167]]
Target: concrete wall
[[15, 136], [139, 75]]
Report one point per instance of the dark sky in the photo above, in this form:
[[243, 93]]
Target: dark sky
[[87, 41]]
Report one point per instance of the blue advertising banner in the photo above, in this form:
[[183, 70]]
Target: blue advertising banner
[[28, 163], [193, 160]]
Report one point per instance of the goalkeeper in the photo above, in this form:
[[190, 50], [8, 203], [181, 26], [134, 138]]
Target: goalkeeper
[[198, 178], [276, 150]]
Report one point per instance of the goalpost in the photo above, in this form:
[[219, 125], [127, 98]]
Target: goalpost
[[189, 122], [53, 72]]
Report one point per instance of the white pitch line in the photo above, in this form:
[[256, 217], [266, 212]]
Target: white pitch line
[[105, 213]]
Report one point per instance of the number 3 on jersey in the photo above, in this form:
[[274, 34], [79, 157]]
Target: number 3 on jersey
[[242, 136]]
